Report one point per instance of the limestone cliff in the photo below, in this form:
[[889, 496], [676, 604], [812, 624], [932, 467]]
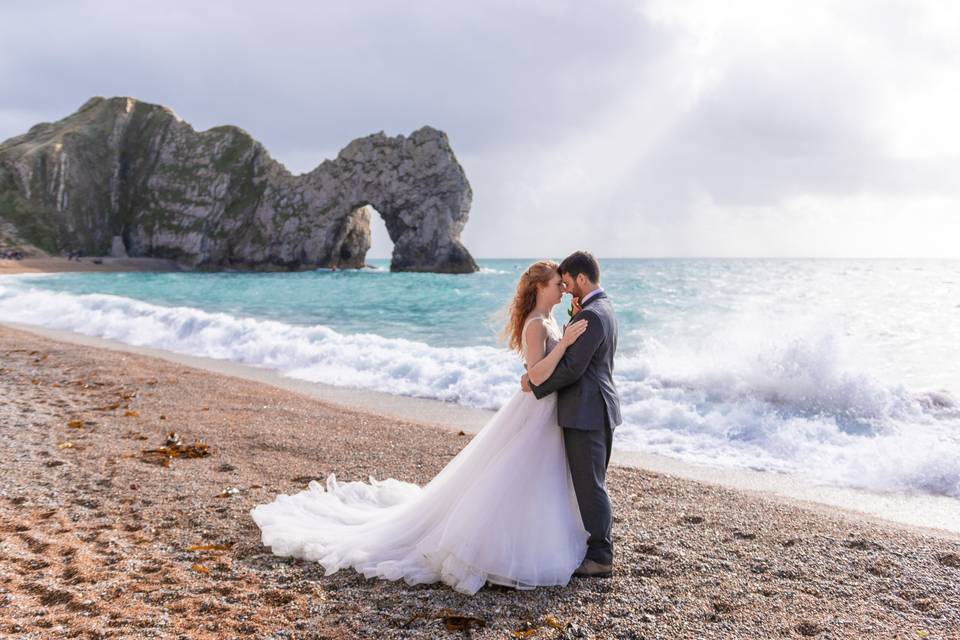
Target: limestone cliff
[[124, 176]]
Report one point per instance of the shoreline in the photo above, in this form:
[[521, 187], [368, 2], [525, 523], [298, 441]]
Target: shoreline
[[929, 514], [57, 264], [98, 539]]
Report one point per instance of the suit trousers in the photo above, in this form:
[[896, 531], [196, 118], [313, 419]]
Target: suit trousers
[[588, 453]]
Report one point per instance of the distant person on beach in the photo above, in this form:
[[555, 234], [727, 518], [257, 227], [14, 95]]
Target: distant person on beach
[[511, 506]]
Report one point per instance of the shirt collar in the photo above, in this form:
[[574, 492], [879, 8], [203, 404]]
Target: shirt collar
[[591, 294]]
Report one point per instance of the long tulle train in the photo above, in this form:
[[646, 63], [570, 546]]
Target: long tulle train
[[502, 510]]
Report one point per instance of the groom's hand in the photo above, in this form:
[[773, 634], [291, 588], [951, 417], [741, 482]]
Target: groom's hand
[[525, 383]]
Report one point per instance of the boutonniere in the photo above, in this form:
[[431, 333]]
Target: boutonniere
[[574, 307]]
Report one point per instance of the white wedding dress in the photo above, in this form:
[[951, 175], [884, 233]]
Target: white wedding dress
[[502, 510]]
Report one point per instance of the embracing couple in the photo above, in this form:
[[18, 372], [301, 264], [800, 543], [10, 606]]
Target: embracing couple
[[524, 504]]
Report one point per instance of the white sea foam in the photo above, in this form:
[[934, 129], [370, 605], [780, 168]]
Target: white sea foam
[[475, 376], [782, 398], [748, 394]]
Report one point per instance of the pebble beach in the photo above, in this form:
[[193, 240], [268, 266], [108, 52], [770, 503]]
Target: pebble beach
[[106, 532]]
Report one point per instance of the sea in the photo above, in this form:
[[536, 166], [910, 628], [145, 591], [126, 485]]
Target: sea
[[845, 371]]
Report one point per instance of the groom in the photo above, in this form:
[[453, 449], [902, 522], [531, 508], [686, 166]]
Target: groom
[[588, 407]]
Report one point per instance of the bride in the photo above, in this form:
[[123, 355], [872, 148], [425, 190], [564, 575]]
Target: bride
[[503, 510]]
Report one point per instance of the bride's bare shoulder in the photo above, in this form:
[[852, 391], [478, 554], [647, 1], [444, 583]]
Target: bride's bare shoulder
[[529, 321], [533, 329]]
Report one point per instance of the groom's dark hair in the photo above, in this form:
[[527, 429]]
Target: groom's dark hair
[[581, 262]]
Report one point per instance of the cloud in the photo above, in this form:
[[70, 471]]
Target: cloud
[[770, 131], [632, 128], [301, 74]]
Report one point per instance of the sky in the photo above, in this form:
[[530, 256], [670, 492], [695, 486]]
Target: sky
[[628, 128]]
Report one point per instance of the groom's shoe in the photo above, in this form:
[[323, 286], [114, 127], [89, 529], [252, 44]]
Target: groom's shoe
[[592, 569]]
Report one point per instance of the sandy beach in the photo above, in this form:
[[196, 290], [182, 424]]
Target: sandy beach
[[56, 264], [98, 539]]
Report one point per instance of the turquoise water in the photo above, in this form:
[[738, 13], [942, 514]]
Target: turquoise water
[[442, 310], [846, 370]]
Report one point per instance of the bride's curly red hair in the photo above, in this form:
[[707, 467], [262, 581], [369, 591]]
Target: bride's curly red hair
[[525, 299]]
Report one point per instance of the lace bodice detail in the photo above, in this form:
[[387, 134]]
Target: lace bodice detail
[[552, 339]]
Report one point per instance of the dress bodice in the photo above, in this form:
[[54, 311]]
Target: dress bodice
[[552, 338]]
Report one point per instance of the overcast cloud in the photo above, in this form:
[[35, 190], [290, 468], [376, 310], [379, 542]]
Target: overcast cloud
[[630, 128]]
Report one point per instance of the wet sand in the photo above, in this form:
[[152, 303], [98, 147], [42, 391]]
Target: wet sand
[[98, 540]]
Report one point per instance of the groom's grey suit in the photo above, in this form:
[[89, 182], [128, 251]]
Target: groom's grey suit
[[588, 409]]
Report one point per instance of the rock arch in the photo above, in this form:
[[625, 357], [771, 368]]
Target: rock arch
[[120, 168], [420, 191]]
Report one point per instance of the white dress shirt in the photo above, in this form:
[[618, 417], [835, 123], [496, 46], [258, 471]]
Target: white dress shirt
[[590, 295]]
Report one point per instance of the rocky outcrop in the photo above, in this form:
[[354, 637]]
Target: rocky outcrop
[[123, 176], [10, 240]]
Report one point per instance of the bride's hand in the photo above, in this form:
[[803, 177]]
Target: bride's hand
[[573, 332]]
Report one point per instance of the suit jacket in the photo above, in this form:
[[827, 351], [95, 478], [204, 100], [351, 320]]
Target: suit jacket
[[583, 379]]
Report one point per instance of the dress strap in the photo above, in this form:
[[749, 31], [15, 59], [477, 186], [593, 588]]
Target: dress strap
[[523, 332]]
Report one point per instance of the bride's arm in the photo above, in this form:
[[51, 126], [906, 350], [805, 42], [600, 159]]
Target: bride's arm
[[543, 365]]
